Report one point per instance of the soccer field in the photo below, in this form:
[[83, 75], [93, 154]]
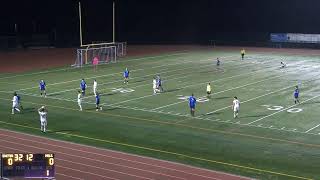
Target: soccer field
[[272, 138]]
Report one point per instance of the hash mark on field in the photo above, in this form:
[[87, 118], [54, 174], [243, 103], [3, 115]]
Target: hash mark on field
[[312, 128]]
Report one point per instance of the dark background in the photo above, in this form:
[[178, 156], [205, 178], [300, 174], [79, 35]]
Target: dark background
[[152, 21]]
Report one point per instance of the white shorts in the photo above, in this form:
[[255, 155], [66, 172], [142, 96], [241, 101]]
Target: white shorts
[[79, 103], [236, 108], [15, 105], [43, 123], [94, 90]]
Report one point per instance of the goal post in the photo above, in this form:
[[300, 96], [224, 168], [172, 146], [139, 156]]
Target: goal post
[[121, 46], [86, 55]]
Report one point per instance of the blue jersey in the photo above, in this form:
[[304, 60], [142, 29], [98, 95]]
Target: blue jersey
[[42, 85], [126, 74], [159, 82], [296, 93], [97, 99], [83, 85], [192, 101]]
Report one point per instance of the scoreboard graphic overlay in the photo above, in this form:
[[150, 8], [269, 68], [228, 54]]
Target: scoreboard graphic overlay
[[28, 165]]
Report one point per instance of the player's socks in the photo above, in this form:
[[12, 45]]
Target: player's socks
[[12, 111], [17, 109]]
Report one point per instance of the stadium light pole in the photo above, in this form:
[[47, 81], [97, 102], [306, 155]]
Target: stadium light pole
[[114, 22], [80, 24]]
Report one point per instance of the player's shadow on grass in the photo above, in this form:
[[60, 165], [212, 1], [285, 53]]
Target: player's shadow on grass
[[172, 90], [254, 116], [315, 102], [62, 131], [108, 94], [140, 80], [29, 110], [225, 97], [54, 94]]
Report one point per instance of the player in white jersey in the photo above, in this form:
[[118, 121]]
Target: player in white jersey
[[154, 86], [208, 90], [43, 118], [15, 103], [95, 85], [235, 107], [79, 99]]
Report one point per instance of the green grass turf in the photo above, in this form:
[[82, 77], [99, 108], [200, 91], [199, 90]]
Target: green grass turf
[[261, 143]]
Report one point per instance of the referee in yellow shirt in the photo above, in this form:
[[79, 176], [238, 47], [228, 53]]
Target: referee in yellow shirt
[[242, 52]]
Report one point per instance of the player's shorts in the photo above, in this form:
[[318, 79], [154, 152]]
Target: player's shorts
[[42, 89], [15, 105], [79, 103], [98, 102], [192, 106], [236, 108], [208, 92], [43, 123]]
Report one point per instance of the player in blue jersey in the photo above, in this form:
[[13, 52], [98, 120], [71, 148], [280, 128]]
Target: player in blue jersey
[[83, 86], [19, 102], [296, 95], [218, 62], [192, 104], [159, 83], [98, 102], [126, 76], [42, 87]]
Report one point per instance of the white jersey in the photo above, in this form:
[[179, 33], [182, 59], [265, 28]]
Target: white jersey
[[79, 98], [154, 84], [236, 104], [95, 84], [43, 116], [208, 88], [15, 99]]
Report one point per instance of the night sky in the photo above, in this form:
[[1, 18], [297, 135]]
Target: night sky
[[166, 21]]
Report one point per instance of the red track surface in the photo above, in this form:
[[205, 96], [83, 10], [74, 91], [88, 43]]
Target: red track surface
[[75, 161]]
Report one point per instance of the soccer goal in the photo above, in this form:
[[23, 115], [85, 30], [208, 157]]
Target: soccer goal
[[105, 52], [121, 46], [105, 55]]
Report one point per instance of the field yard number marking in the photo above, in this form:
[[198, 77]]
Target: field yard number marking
[[122, 90], [200, 100], [278, 108]]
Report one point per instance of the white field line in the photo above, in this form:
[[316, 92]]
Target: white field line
[[112, 157], [230, 77], [272, 92], [149, 84], [256, 82], [130, 78], [105, 75], [312, 128], [117, 73], [121, 80], [119, 152], [63, 69], [141, 97], [181, 115], [214, 93], [282, 110]]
